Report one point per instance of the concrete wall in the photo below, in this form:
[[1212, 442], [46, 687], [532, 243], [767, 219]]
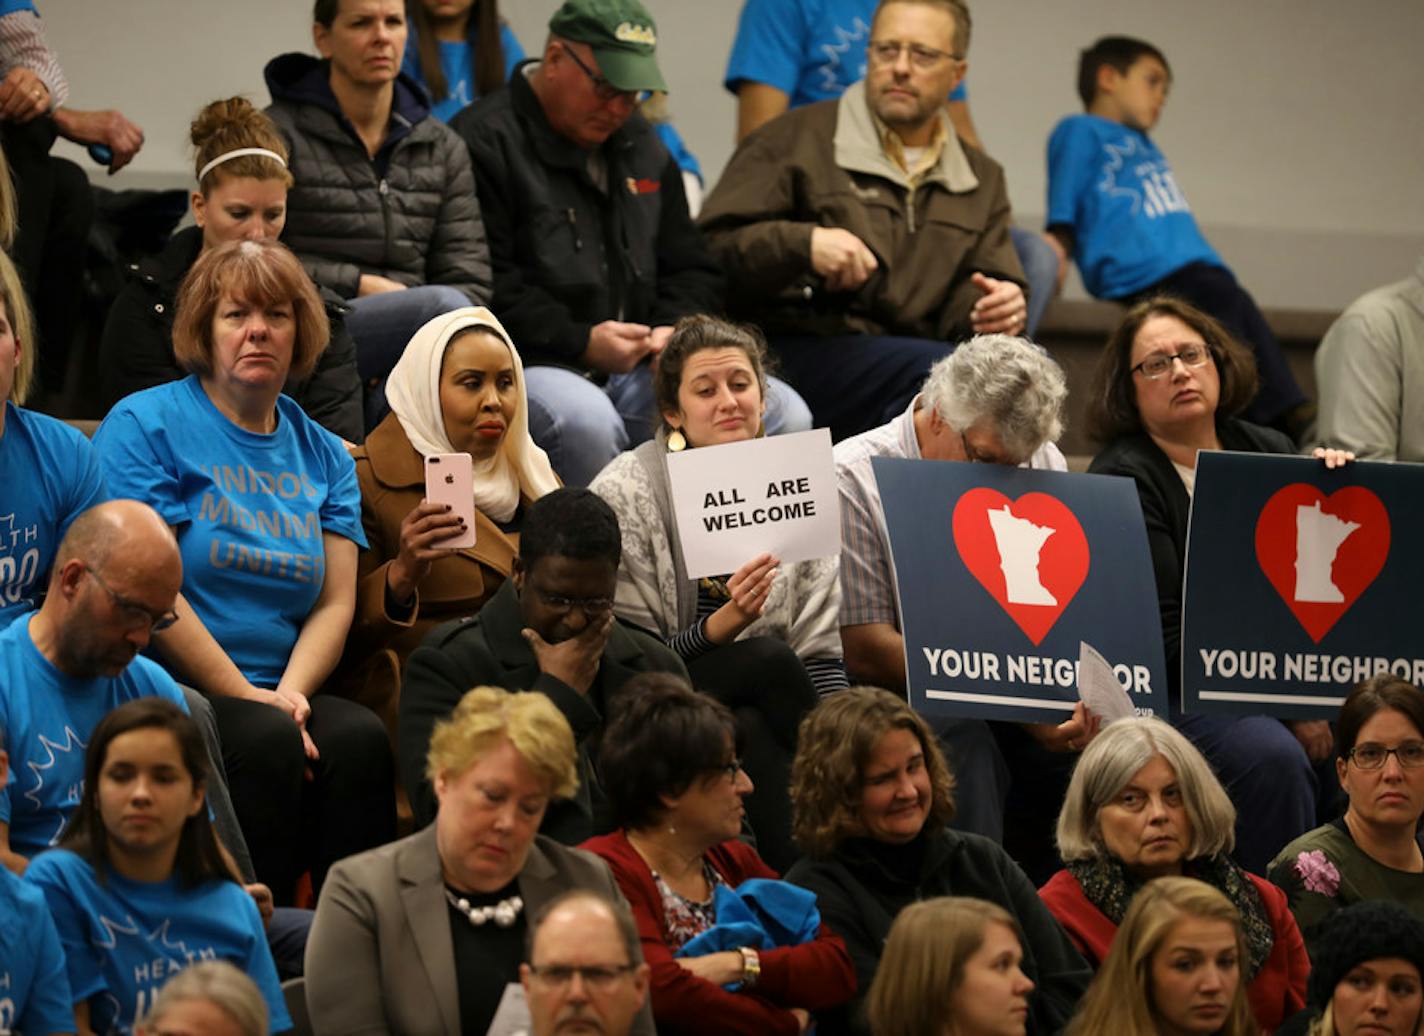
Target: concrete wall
[[1294, 126]]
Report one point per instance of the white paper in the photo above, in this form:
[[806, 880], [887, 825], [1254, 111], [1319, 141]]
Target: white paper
[[775, 495], [511, 1018], [1098, 687]]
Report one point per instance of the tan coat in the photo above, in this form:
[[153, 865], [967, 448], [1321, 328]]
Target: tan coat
[[392, 478], [823, 166]]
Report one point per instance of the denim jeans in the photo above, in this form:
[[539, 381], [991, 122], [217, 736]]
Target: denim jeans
[[583, 426], [1040, 263], [381, 325]]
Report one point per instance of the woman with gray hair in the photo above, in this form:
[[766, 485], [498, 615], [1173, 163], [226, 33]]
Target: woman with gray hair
[[211, 998], [1143, 803]]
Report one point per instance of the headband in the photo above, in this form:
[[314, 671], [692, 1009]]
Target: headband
[[228, 156]]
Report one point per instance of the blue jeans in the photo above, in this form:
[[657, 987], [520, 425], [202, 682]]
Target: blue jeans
[[583, 426], [1040, 263], [1266, 772], [381, 325]]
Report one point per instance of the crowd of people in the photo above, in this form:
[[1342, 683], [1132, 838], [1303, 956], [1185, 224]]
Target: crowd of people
[[275, 756]]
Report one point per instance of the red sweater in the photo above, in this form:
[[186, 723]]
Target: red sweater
[[1277, 991], [812, 976]]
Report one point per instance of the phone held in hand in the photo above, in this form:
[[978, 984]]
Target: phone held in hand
[[450, 480]]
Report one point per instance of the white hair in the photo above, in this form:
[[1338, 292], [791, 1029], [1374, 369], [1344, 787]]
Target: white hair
[[1009, 382]]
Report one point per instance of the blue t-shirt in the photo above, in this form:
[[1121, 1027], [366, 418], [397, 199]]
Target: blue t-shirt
[[1131, 223], [51, 475], [457, 62], [249, 510], [46, 718], [34, 987], [123, 939], [810, 50]]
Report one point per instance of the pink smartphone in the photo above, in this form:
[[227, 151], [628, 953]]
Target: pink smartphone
[[450, 479]]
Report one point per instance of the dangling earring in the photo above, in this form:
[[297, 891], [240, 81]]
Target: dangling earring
[[676, 441]]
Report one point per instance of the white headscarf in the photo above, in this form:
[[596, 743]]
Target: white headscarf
[[413, 390]]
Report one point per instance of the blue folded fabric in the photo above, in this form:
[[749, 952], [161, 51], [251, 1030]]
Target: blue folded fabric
[[762, 913]]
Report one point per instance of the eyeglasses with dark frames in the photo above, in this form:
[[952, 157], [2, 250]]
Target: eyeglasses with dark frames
[[1159, 364], [587, 605], [136, 614], [1371, 756], [602, 88]]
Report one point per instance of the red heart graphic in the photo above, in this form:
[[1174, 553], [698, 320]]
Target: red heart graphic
[[1332, 571], [1047, 554]]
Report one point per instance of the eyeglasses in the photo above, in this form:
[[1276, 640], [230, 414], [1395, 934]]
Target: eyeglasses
[[595, 976], [1371, 756], [1159, 364], [887, 52], [730, 770], [602, 88], [973, 456], [587, 605], [134, 613]]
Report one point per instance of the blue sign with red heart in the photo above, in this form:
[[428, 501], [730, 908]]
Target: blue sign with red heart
[[1001, 572], [1301, 582]]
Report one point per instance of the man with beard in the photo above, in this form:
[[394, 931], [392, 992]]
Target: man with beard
[[63, 667], [586, 972], [863, 235]]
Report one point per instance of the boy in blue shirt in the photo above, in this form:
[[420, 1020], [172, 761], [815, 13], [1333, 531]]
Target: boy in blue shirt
[[1115, 207]]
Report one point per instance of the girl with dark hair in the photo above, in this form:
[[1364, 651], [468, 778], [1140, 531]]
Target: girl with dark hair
[[1171, 382], [1373, 851], [458, 50], [138, 887]]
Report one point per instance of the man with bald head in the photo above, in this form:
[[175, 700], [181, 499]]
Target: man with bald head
[[585, 973], [116, 575]]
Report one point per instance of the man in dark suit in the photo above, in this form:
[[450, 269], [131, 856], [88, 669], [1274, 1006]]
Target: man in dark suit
[[550, 628]]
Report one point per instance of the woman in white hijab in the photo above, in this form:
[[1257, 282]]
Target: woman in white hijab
[[457, 388]]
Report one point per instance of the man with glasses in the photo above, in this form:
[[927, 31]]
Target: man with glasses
[[595, 256], [115, 579], [585, 972], [994, 400], [863, 235], [549, 628]]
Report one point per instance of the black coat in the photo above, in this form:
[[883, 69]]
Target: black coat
[[488, 649], [136, 351], [568, 254], [409, 213], [1166, 507], [859, 895]]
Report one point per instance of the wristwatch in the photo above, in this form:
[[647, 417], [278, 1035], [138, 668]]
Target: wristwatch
[[751, 965]]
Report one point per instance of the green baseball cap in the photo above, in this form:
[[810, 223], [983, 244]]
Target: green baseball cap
[[623, 37]]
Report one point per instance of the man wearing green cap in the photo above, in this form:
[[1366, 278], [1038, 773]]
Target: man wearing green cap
[[595, 256]]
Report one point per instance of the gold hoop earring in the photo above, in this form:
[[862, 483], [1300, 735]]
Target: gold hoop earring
[[676, 441]]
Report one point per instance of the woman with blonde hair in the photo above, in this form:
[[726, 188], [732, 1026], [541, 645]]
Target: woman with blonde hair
[[952, 964], [48, 468], [1174, 970], [210, 998], [427, 934], [240, 165], [1143, 803], [871, 794]]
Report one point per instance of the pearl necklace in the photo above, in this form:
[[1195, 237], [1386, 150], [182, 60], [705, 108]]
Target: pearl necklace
[[504, 913]]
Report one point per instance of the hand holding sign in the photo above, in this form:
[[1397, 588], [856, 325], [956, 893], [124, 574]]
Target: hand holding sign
[[748, 587]]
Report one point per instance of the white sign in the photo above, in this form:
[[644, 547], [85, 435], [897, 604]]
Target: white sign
[[775, 495]]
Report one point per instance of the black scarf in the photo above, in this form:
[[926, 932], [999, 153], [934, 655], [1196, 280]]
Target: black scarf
[[1110, 887]]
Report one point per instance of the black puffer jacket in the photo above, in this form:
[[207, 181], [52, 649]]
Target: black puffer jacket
[[569, 254], [137, 348], [410, 213]]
